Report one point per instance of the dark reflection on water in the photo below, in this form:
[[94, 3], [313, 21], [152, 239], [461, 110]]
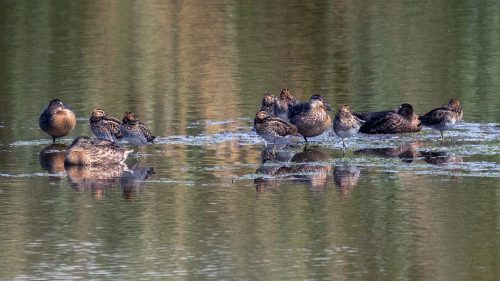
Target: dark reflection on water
[[52, 159], [406, 152], [305, 166], [440, 157], [132, 181], [346, 177], [95, 178]]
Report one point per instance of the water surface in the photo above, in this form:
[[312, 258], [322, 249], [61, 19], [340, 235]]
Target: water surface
[[209, 200]]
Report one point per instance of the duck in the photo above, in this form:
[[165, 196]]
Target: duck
[[404, 121], [57, 120], [443, 118], [273, 129], [103, 126], [86, 151], [345, 124], [268, 104], [285, 101], [367, 115], [134, 131], [311, 118]]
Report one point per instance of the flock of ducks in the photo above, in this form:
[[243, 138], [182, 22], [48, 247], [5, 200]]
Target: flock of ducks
[[276, 119], [58, 121], [283, 116]]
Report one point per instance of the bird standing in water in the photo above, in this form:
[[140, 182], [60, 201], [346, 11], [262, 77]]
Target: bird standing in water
[[311, 118], [443, 118], [345, 124], [103, 126], [272, 129], [134, 131], [57, 120]]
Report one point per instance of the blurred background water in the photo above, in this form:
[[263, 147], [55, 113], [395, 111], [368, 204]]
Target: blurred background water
[[209, 201]]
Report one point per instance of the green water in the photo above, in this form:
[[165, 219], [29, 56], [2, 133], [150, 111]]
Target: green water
[[209, 201]]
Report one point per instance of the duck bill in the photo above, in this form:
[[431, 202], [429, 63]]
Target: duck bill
[[327, 106]]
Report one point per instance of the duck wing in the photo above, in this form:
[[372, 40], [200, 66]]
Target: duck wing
[[282, 127], [365, 116], [298, 109], [435, 116], [146, 132], [388, 124]]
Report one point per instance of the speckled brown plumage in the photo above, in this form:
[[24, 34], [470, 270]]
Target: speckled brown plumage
[[87, 151], [443, 118], [345, 124], [272, 129], [405, 121], [134, 131], [103, 126], [57, 120], [312, 118], [268, 104], [283, 103]]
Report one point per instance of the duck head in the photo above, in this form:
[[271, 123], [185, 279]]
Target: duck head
[[405, 110], [319, 101], [344, 108], [268, 100], [454, 104], [285, 95], [261, 116], [129, 118], [55, 105], [98, 114]]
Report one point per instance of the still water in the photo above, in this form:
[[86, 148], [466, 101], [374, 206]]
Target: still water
[[209, 201]]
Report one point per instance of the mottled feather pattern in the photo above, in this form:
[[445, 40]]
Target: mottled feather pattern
[[272, 128], [106, 128], [284, 103], [345, 123], [404, 121], [87, 151], [268, 104], [310, 121], [443, 118], [134, 131]]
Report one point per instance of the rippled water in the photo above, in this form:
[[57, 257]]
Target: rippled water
[[209, 200]]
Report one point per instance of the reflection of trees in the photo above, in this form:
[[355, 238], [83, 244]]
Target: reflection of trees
[[178, 62]]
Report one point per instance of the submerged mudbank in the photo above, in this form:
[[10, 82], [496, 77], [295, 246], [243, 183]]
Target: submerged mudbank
[[471, 149]]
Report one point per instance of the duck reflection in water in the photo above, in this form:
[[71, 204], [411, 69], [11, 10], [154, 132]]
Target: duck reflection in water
[[346, 177], [98, 179], [440, 157], [52, 159], [272, 154], [133, 180], [305, 166], [406, 152]]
